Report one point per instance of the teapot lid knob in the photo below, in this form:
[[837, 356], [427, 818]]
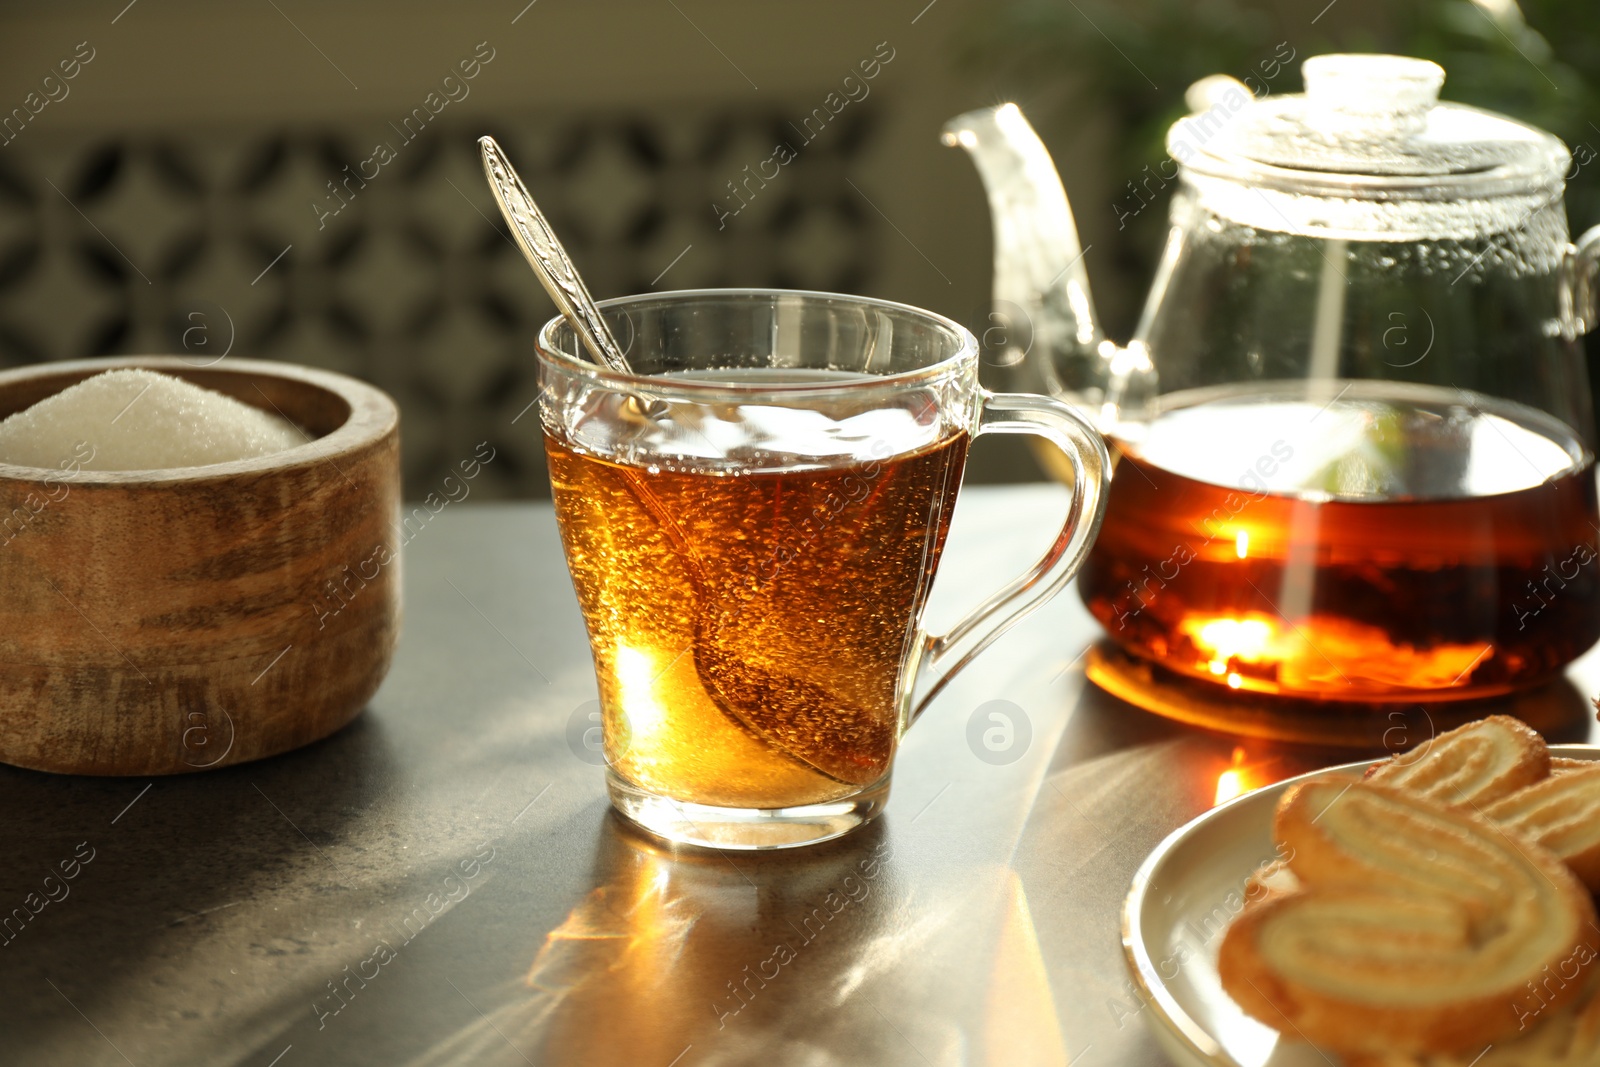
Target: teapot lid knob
[[1376, 93]]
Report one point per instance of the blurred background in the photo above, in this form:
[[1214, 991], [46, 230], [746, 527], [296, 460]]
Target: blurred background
[[289, 180]]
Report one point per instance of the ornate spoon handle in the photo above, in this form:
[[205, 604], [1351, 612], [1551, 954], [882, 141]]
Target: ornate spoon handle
[[549, 260]]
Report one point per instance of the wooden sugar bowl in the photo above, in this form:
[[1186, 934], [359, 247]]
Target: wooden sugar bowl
[[157, 622]]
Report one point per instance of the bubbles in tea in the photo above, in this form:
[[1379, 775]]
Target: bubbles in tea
[[750, 609]]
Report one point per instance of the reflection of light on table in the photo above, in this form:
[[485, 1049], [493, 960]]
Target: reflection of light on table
[[1020, 1020], [617, 956], [1229, 785], [1239, 778]]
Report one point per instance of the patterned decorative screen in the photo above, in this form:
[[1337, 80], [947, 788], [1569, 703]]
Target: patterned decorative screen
[[203, 242]]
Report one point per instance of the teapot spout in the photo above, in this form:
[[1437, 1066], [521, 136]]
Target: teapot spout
[[1041, 288]]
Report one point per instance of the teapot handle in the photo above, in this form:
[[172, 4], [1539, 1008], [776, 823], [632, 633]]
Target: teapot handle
[[1586, 281]]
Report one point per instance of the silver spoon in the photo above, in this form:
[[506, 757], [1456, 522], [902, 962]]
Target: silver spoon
[[548, 259], [779, 710]]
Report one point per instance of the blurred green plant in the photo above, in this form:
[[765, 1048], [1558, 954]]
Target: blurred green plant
[[1539, 62]]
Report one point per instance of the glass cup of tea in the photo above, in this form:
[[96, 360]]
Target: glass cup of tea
[[753, 519]]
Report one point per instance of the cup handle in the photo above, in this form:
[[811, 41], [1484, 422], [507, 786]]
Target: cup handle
[[941, 656]]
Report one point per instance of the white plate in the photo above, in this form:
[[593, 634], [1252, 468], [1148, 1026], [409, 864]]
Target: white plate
[[1183, 896]]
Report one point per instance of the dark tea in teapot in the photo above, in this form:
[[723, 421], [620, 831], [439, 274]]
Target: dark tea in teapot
[[1350, 541]]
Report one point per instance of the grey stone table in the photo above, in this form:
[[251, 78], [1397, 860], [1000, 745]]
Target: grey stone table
[[441, 883]]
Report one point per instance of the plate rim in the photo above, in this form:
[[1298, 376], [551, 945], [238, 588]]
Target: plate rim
[[1175, 1029]]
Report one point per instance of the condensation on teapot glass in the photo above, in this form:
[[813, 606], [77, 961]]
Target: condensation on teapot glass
[[1369, 152], [1367, 167]]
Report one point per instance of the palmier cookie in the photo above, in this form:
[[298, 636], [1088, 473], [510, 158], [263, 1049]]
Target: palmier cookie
[[1418, 927], [1469, 766], [1566, 1037], [1562, 813]]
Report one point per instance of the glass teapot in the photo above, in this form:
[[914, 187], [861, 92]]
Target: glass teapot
[[1354, 432]]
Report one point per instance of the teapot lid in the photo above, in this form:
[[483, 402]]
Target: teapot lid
[[1367, 152]]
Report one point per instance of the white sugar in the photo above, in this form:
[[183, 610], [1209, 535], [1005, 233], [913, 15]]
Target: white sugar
[[142, 420]]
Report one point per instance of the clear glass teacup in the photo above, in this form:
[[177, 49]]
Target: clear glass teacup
[[753, 520]]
